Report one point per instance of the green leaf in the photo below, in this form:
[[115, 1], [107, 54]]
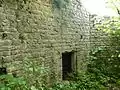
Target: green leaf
[[33, 88], [119, 55]]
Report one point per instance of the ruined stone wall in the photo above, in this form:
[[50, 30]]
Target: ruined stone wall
[[36, 31], [98, 38]]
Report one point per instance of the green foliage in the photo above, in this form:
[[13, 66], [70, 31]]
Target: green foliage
[[8, 82], [105, 60], [111, 54], [81, 81], [36, 73], [34, 78], [110, 26]]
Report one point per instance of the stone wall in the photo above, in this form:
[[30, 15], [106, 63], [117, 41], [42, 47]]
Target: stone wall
[[98, 38], [36, 31]]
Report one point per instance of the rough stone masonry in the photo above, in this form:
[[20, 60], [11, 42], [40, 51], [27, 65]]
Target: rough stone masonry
[[40, 31]]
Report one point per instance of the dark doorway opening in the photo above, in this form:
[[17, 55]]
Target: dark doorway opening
[[66, 65], [3, 71]]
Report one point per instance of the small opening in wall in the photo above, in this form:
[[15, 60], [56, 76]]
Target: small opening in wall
[[81, 36], [67, 65], [1, 2], [0, 5], [3, 70], [4, 35]]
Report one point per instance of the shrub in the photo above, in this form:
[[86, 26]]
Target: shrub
[[8, 82]]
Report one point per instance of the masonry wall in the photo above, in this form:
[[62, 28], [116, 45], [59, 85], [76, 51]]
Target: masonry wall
[[35, 32], [98, 38]]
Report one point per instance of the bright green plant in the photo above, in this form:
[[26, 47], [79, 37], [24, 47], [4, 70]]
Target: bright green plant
[[112, 52], [34, 78], [8, 82], [81, 81], [36, 73], [104, 60]]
